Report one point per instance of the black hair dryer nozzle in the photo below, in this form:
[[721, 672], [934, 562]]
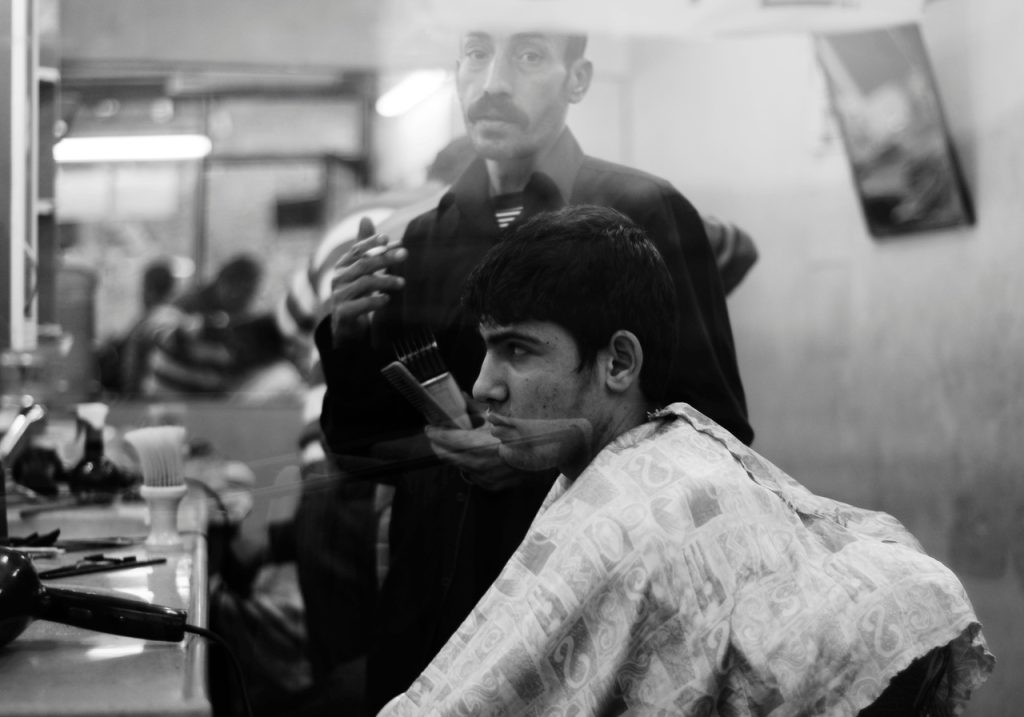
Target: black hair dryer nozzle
[[23, 598]]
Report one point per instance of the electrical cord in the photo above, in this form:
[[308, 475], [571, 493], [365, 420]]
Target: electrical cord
[[232, 658], [221, 506]]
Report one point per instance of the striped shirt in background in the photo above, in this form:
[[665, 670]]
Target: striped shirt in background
[[191, 356]]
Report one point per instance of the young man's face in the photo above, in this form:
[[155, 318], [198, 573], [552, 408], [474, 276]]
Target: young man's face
[[515, 91], [543, 408]]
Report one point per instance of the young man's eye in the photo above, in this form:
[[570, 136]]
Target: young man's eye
[[516, 351]]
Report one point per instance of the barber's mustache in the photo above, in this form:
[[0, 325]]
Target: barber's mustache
[[496, 107]]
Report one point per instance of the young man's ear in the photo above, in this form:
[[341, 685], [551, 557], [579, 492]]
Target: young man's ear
[[624, 360], [581, 71]]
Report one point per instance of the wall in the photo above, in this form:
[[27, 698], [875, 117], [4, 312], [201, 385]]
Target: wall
[[884, 373], [301, 33]]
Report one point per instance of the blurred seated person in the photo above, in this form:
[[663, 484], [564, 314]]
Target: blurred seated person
[[212, 344], [670, 569], [123, 361]]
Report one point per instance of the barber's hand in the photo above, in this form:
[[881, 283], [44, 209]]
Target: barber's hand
[[475, 453], [359, 286]]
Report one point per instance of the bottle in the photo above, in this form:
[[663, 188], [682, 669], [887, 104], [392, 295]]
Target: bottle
[[94, 476]]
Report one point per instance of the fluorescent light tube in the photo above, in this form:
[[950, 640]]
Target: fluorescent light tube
[[410, 91], [139, 148]]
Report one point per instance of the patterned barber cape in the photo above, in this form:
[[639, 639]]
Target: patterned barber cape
[[683, 574]]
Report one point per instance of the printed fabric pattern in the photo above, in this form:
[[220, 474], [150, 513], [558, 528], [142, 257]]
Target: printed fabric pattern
[[684, 574]]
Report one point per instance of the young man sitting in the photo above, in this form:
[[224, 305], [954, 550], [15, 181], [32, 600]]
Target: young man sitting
[[671, 570]]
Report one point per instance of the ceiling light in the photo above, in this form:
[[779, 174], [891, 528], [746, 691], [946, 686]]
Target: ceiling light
[[151, 148], [410, 91]]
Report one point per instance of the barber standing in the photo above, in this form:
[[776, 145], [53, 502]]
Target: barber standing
[[456, 522]]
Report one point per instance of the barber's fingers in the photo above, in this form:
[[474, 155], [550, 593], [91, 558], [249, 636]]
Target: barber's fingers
[[355, 295], [369, 255], [352, 310], [457, 440], [352, 267], [366, 228], [443, 453], [351, 318], [363, 245], [360, 282], [474, 449], [347, 288]]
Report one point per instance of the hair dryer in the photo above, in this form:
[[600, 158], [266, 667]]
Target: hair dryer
[[23, 598]]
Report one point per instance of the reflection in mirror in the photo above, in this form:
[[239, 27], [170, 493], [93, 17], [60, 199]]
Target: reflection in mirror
[[285, 153], [903, 161]]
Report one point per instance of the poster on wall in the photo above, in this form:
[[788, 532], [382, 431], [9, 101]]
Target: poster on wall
[[887, 104]]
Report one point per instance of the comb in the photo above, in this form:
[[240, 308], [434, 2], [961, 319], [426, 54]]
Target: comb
[[407, 385], [421, 376]]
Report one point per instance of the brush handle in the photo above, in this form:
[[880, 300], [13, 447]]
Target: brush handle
[[163, 514]]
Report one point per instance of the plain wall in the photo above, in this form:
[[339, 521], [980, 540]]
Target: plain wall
[[300, 33], [885, 373]]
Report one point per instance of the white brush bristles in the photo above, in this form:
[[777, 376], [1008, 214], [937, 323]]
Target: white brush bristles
[[95, 414], [161, 452]]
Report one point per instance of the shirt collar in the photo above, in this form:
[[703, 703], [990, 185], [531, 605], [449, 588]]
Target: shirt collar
[[560, 164]]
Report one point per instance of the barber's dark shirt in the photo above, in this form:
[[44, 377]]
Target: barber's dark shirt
[[449, 539]]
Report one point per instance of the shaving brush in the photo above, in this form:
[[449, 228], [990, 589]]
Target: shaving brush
[[161, 457]]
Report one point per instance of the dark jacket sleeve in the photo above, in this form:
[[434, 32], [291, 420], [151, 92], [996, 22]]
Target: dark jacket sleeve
[[365, 422], [368, 428], [707, 376], [734, 249]]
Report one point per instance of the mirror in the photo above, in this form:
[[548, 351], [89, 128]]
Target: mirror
[[286, 152], [904, 166]]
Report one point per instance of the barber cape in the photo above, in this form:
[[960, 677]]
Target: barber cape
[[683, 574]]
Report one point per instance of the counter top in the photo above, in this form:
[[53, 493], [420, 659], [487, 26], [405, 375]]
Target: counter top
[[53, 669]]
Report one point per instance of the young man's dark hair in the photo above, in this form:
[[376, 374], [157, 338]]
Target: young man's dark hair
[[547, 269]]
